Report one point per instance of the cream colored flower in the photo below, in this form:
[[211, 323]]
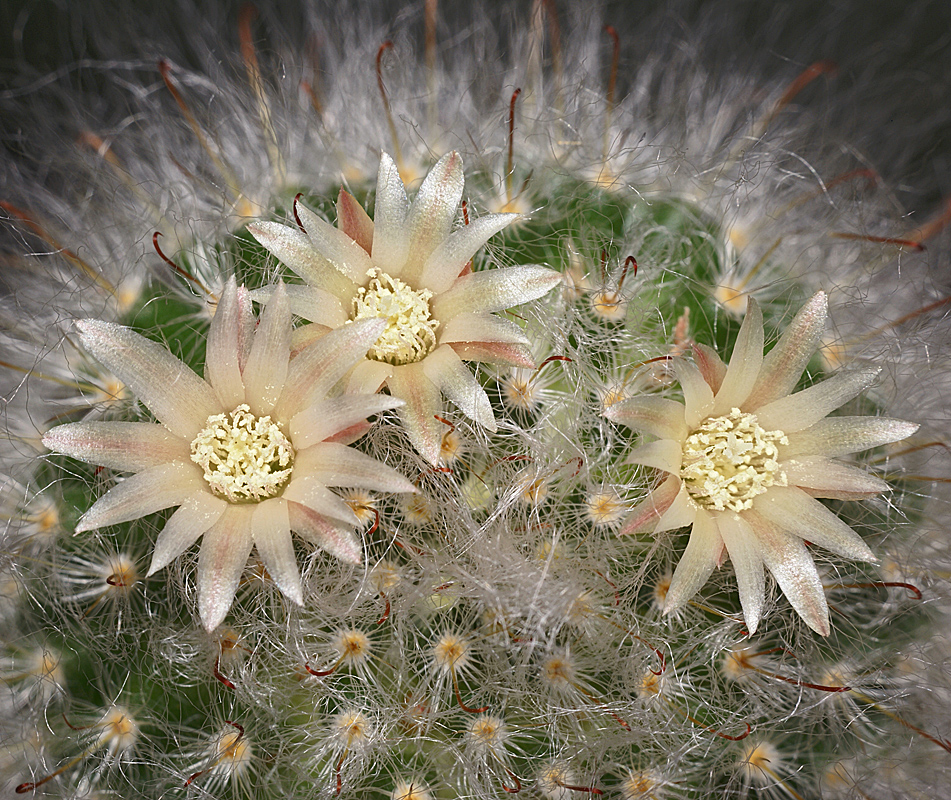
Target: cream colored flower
[[746, 460], [409, 267], [247, 454]]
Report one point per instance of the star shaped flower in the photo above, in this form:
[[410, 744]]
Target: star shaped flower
[[247, 453], [746, 461], [411, 268]]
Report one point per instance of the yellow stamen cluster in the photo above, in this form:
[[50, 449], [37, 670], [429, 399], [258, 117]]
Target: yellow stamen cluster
[[410, 333], [729, 460], [245, 458]]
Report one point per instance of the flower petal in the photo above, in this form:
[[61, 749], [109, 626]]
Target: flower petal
[[681, 513], [798, 411], [126, 446], [142, 494], [336, 465], [292, 247], [390, 242], [317, 369], [418, 416], [510, 355], [430, 218], [469, 327], [309, 490], [177, 397], [368, 376], [224, 553], [701, 555], [664, 454], [839, 436], [266, 369], [225, 346], [698, 396], [309, 302], [320, 531], [711, 366], [326, 418], [656, 416], [822, 475], [450, 256], [645, 514], [453, 378], [346, 256], [795, 511], [271, 532], [494, 290], [742, 545], [745, 362], [792, 566], [198, 512], [354, 221], [783, 365]]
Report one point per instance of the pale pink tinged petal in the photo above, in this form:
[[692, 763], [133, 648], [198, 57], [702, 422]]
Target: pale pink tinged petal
[[785, 363], [247, 323], [196, 515], [745, 362], [664, 454], [266, 370], [292, 247], [271, 532], [453, 378], [654, 415], [390, 242], [744, 549], [510, 355], [711, 366], [327, 418], [222, 361], [368, 376], [224, 553], [304, 336], [177, 397], [448, 259], [142, 494], [325, 534], [126, 446], [430, 218], [311, 303], [469, 327], [418, 416], [354, 221], [645, 514], [819, 474], [346, 256], [316, 370], [795, 511], [337, 465], [839, 436], [698, 396], [494, 290], [351, 434], [700, 557], [309, 490], [792, 566], [798, 411], [681, 513]]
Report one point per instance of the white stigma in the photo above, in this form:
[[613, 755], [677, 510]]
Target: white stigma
[[246, 458], [410, 333], [730, 460]]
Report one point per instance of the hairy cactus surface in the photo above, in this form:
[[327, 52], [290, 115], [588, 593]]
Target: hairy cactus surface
[[446, 406]]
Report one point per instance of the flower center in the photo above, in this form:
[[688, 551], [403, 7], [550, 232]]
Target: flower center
[[410, 333], [246, 458], [730, 460]]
